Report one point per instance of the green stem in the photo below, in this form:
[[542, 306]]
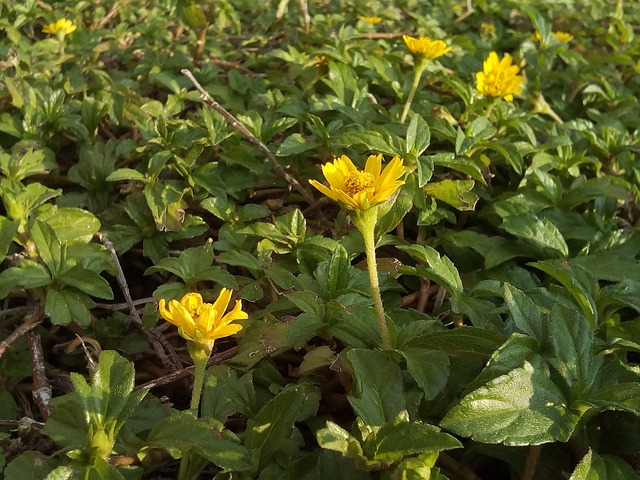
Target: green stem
[[199, 355], [366, 223], [200, 358], [417, 76]]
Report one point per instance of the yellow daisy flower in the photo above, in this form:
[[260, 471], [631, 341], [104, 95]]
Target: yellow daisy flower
[[426, 47], [359, 190], [201, 322], [63, 25], [370, 20], [562, 37], [499, 78]]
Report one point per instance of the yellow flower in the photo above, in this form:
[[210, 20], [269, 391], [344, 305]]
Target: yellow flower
[[201, 322], [370, 20], [357, 189], [62, 25], [425, 47], [562, 37], [499, 78]]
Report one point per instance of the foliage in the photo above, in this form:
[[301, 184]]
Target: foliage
[[509, 259]]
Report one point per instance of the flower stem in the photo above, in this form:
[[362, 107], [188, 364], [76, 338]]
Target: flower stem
[[417, 75], [366, 223], [200, 358]]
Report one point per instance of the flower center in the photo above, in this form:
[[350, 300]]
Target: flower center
[[357, 182]]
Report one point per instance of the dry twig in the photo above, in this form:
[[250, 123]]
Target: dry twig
[[233, 121], [31, 321], [177, 375], [41, 388]]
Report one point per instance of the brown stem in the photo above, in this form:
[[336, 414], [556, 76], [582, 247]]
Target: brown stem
[[531, 462], [452, 466], [305, 15], [178, 374], [424, 295], [31, 321], [233, 121], [41, 388], [158, 342]]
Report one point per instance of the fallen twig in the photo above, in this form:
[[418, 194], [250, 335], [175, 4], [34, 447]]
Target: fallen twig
[[158, 342], [178, 374], [31, 321], [41, 393], [249, 136]]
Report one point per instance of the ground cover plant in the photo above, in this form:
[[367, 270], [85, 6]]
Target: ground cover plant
[[323, 239]]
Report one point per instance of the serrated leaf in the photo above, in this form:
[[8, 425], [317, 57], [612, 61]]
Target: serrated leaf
[[429, 368], [418, 136], [576, 282], [49, 247], [122, 174], [456, 193], [466, 341], [441, 269], [571, 339], [71, 223], [523, 407], [88, 281], [338, 274], [68, 305], [181, 431], [377, 397], [274, 423], [394, 441], [525, 314], [295, 144], [539, 231], [28, 275], [605, 467]]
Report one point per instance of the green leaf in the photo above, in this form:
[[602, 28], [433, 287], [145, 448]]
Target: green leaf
[[240, 258], [122, 174], [49, 247], [441, 269], [538, 231], [456, 193], [333, 437], [525, 314], [195, 265], [372, 141], [71, 223], [227, 393], [181, 431], [377, 397], [88, 281], [8, 228], [31, 466], [68, 305], [523, 407], [418, 136], [571, 340], [429, 368], [267, 431], [395, 440], [108, 400], [28, 275], [295, 144], [472, 342], [605, 467], [339, 272], [575, 280]]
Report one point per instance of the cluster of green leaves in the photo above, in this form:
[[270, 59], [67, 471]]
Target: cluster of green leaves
[[510, 260]]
